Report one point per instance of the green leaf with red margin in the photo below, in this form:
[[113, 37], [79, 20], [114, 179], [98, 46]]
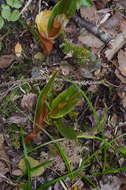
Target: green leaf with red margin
[[41, 107], [64, 102], [41, 110]]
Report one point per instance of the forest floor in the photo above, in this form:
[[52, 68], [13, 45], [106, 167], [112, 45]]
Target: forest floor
[[91, 52]]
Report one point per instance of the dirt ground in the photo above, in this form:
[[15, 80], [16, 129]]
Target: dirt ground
[[91, 52]]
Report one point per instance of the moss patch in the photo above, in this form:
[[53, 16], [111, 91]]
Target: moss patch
[[81, 54]]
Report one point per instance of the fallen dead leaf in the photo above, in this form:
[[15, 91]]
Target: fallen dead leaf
[[17, 119], [18, 49], [122, 62], [47, 38], [29, 101], [120, 77], [112, 25], [110, 183], [33, 163], [90, 14], [123, 3], [79, 185], [101, 4], [6, 60], [90, 40], [114, 46]]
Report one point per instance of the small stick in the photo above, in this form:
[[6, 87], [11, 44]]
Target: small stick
[[105, 37], [25, 7], [7, 180]]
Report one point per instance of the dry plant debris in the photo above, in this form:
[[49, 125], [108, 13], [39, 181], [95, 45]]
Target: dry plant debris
[[6, 61], [90, 51]]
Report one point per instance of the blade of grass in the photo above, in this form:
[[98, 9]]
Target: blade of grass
[[45, 144], [41, 165], [85, 178], [28, 167], [58, 179], [61, 152], [109, 171], [70, 174]]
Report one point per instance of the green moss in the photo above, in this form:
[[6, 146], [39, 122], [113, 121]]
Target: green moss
[[14, 133], [81, 54]]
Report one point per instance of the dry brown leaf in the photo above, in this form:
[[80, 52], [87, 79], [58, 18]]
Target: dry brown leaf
[[90, 40], [90, 14], [18, 49], [120, 77], [16, 119], [122, 3], [112, 25], [122, 62], [114, 46], [33, 163], [101, 4], [6, 60], [29, 101]]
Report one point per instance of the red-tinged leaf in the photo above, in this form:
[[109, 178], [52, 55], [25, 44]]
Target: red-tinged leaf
[[41, 110], [46, 36], [47, 45], [41, 107], [30, 137], [64, 102]]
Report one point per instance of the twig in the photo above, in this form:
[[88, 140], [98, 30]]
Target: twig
[[25, 7], [121, 124], [40, 5], [22, 81], [105, 37], [7, 180], [32, 80]]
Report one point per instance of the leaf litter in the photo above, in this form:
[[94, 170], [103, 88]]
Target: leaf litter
[[112, 94]]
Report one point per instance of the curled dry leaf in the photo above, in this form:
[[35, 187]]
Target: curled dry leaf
[[17, 119], [29, 101], [47, 37], [18, 49], [6, 60]]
